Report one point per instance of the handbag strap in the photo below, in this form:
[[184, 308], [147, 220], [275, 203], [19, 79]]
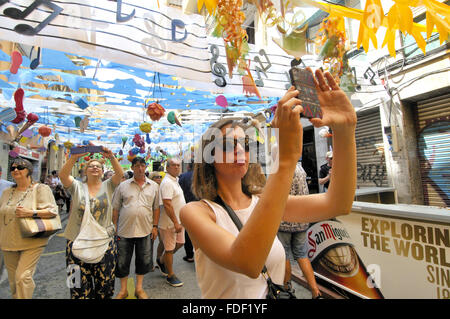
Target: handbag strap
[[87, 208], [237, 222]]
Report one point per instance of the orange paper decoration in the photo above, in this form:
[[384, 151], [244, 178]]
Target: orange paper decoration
[[155, 111]]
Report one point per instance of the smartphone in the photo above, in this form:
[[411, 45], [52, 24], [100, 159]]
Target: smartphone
[[86, 149], [303, 81]]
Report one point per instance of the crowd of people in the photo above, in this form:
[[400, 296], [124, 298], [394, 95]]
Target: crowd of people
[[192, 210]]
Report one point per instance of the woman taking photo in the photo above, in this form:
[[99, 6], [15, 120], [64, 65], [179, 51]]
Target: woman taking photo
[[229, 262], [24, 199], [97, 279]]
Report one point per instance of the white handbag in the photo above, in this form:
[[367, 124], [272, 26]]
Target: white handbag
[[93, 240]]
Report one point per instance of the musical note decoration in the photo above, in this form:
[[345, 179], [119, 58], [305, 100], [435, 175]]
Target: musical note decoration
[[119, 16], [370, 74], [27, 29], [35, 62]]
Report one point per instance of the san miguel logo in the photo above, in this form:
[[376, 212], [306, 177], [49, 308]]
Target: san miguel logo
[[326, 234]]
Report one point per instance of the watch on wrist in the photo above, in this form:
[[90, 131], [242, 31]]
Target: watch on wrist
[[35, 215], [155, 226]]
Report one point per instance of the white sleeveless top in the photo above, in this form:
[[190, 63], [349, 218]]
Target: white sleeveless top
[[218, 282]]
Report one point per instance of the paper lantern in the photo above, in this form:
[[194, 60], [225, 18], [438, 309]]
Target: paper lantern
[[145, 127], [45, 131], [155, 111], [172, 118]]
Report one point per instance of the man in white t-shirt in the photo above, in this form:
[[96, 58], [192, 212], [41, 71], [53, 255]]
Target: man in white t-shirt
[[170, 229]]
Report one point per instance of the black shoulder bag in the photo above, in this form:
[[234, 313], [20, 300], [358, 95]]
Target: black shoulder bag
[[275, 291]]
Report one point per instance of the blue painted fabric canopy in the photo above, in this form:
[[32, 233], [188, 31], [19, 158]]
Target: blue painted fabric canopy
[[114, 96]]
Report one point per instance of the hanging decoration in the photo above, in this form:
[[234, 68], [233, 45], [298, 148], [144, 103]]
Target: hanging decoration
[[221, 101], [173, 118], [155, 111], [124, 140], [45, 131], [7, 115], [332, 42], [145, 127], [31, 119], [84, 123], [399, 17], [248, 84], [68, 145], [16, 61], [138, 141], [77, 121], [18, 98]]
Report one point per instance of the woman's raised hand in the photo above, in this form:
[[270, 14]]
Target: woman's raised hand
[[337, 110], [107, 153]]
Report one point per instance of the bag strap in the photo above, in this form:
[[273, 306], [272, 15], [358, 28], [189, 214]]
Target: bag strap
[[237, 222], [87, 208]]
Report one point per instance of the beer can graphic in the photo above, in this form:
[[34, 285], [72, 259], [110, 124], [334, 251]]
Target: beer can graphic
[[335, 260]]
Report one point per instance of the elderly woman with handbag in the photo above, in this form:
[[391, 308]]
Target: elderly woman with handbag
[[91, 217], [230, 258], [24, 206]]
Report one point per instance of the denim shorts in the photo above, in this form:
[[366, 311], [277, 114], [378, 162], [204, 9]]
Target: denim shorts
[[294, 244], [143, 250]]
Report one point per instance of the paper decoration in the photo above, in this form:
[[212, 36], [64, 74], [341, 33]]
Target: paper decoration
[[68, 145], [84, 124], [145, 127], [173, 118], [18, 98], [7, 114], [77, 121], [155, 111], [16, 61], [399, 17], [81, 103], [13, 154], [45, 131], [124, 140], [221, 101]]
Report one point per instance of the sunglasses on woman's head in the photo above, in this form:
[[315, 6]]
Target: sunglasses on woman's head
[[19, 167]]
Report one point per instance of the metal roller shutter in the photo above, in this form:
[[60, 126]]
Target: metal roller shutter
[[433, 140], [371, 163]]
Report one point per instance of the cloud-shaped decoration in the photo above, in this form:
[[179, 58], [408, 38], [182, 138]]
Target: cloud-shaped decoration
[[71, 81], [52, 59]]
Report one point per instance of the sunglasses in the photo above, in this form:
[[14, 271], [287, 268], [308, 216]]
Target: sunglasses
[[19, 167], [94, 166], [230, 144]]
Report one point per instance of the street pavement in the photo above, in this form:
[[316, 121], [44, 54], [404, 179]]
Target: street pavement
[[50, 276]]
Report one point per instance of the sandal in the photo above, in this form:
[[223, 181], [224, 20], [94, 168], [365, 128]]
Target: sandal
[[121, 295], [141, 294]]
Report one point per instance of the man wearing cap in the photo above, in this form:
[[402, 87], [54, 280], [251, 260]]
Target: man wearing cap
[[325, 171]]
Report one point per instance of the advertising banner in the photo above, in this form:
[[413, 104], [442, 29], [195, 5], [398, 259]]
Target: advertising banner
[[335, 259], [376, 256]]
